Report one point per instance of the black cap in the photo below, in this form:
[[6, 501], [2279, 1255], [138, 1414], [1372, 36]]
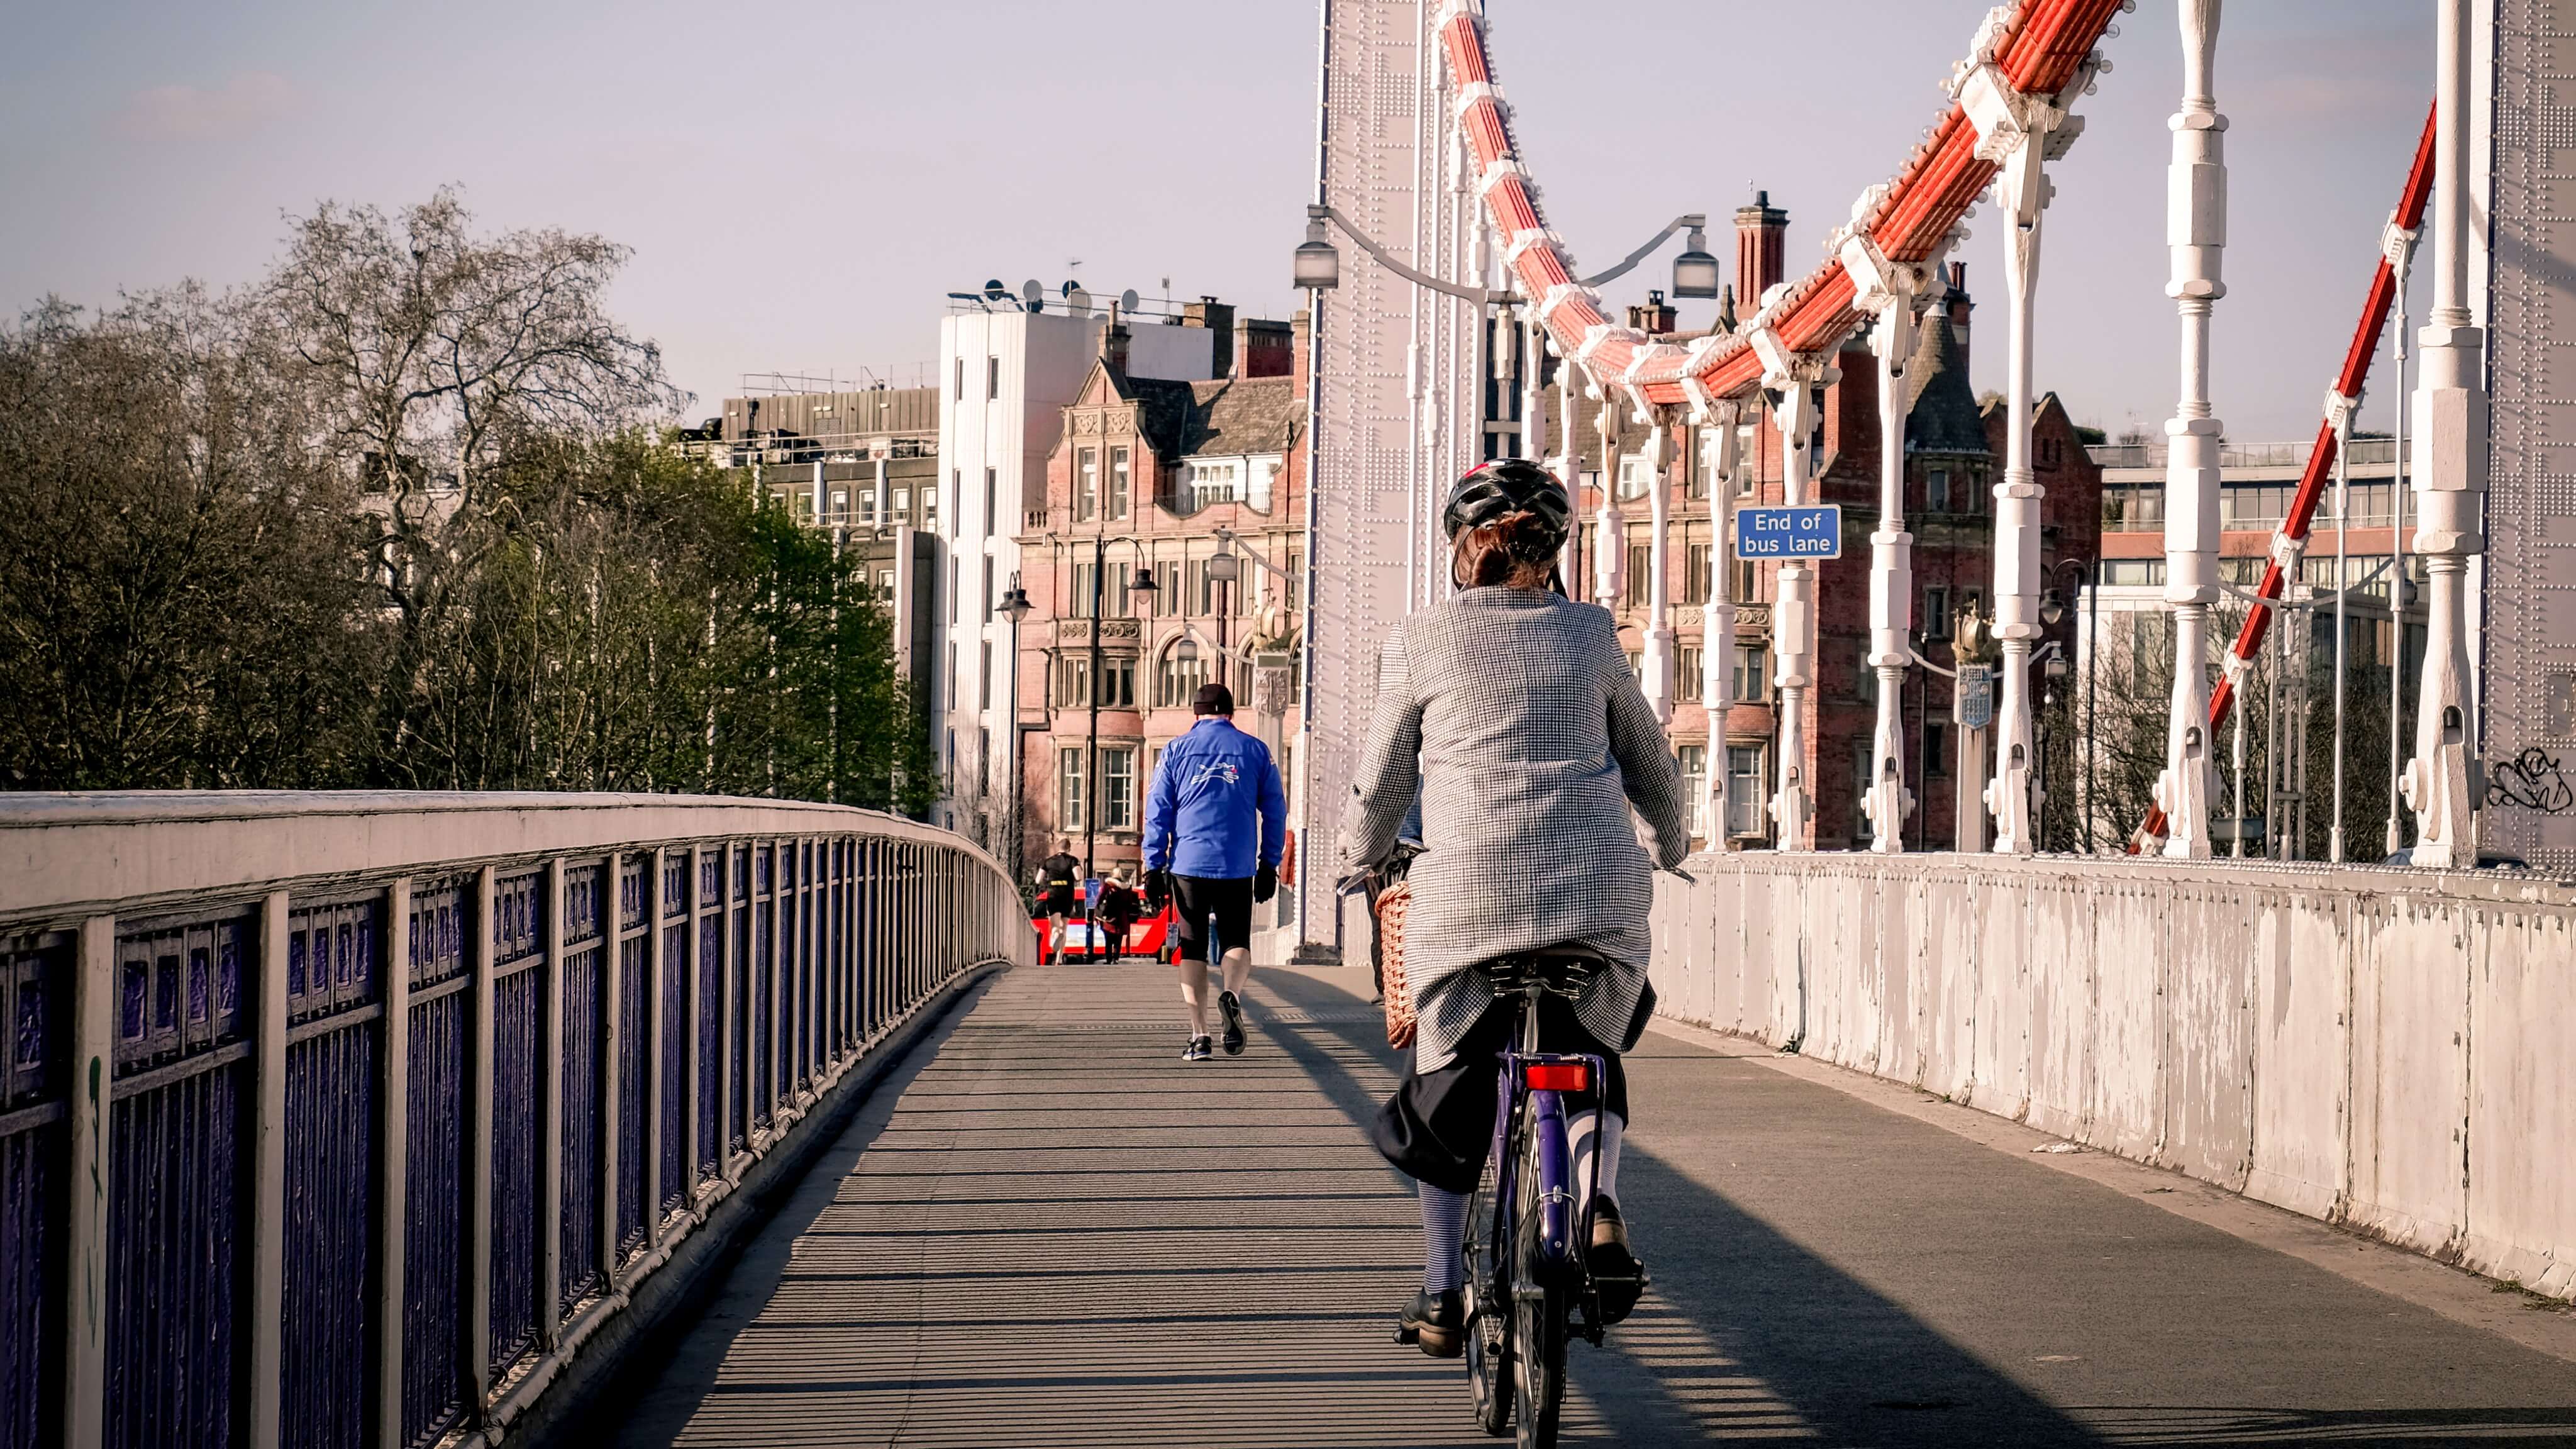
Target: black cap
[[1213, 699]]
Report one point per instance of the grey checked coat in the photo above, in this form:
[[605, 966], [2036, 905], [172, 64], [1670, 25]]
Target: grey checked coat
[[1517, 712]]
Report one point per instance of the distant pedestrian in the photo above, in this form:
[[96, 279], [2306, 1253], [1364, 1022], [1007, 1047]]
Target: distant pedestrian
[[1215, 820], [1058, 875], [1117, 912]]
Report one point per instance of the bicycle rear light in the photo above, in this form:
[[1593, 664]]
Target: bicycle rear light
[[1556, 1076]]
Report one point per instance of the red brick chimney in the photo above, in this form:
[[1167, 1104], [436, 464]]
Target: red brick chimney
[[1655, 318], [1113, 343], [1959, 306], [1761, 251]]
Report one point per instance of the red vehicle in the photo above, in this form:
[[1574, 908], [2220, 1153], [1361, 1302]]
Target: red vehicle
[[1148, 936]]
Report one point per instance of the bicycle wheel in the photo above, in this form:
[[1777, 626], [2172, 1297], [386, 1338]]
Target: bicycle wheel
[[1489, 1321], [1539, 1317]]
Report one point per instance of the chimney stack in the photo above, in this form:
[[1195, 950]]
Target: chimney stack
[[1655, 318], [1216, 317], [1262, 348], [1113, 343], [1761, 251], [1957, 306]]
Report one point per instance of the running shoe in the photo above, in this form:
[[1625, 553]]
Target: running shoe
[[1233, 1009], [1198, 1050]]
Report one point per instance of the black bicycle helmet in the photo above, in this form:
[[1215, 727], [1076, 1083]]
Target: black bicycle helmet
[[1502, 488]]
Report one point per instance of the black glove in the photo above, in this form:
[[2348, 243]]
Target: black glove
[[1265, 883], [1158, 888]]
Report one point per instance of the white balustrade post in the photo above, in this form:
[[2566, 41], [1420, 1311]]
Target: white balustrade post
[[2196, 235], [1533, 397], [1657, 658], [1793, 622], [2451, 408], [393, 1160], [1891, 573]]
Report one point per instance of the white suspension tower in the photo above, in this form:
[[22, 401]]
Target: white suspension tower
[[2196, 234], [1889, 290], [2451, 407]]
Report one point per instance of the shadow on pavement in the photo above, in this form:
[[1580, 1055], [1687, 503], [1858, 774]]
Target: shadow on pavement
[[1749, 1331]]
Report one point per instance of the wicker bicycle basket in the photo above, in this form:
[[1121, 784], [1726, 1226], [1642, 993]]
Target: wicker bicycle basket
[[1390, 906]]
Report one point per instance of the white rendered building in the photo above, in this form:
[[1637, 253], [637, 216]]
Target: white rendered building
[[1005, 375]]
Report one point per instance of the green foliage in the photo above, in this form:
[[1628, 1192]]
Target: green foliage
[[244, 544]]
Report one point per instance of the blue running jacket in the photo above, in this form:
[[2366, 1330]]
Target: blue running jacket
[[1200, 815]]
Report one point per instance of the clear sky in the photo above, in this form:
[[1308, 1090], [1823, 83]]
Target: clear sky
[[802, 181]]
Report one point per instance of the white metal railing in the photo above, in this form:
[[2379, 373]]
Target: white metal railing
[[397, 1101]]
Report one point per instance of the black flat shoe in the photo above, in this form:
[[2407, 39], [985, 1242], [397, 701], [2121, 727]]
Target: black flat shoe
[[1197, 1051], [1433, 1323], [1618, 1279], [1233, 1009]]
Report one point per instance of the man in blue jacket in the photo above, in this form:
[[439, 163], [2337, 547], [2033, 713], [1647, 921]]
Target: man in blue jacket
[[1215, 820]]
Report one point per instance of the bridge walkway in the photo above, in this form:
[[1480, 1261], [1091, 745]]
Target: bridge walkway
[[1047, 1230]]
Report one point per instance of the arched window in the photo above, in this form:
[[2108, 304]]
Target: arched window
[[1177, 680]]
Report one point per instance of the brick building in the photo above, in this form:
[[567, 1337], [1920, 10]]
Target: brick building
[[1145, 474], [1955, 448]]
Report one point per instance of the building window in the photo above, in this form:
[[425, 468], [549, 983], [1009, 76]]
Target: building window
[[885, 583], [903, 500], [1694, 760], [840, 502], [1745, 795], [1177, 681], [1696, 562], [1752, 674], [1686, 667], [1086, 483], [1634, 473], [1068, 790], [961, 379], [984, 749], [1118, 789], [1864, 678], [984, 681], [1936, 752], [992, 486], [1746, 581], [1637, 665], [930, 501], [952, 704], [1084, 604], [988, 586], [1936, 613], [1641, 574], [1862, 758], [1118, 482], [992, 377]]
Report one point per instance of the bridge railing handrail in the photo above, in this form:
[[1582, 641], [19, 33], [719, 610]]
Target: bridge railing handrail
[[352, 1118]]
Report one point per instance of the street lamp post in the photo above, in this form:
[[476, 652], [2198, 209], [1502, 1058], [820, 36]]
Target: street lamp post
[[2052, 611], [1142, 582], [1015, 606]]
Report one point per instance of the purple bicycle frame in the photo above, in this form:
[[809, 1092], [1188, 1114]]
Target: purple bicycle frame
[[1560, 1217]]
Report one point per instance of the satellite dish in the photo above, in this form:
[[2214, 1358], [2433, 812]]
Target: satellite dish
[[994, 289], [1127, 300], [1033, 294], [1078, 302], [1069, 288]]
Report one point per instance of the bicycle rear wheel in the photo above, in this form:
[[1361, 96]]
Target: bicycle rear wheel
[[1489, 1316], [1539, 1305]]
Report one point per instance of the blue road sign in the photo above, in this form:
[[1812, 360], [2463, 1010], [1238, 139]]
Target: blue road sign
[[1810, 532]]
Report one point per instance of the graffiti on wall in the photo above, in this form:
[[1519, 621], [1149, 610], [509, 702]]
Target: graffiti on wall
[[2533, 780]]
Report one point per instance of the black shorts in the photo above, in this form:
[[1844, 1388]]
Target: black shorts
[[1439, 1126], [1230, 901], [1057, 903]]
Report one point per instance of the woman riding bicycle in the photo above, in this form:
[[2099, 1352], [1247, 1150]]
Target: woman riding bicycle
[[1516, 712]]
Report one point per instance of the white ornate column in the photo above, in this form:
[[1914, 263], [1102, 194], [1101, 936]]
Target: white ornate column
[[2196, 235], [1891, 562], [2022, 192], [1609, 526], [1656, 661], [1567, 466], [1793, 615], [1717, 619], [1533, 395], [2451, 408]]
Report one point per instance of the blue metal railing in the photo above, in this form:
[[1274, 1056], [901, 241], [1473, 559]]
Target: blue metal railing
[[382, 1144]]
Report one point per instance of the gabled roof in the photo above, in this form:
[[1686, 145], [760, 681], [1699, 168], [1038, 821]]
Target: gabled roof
[[1226, 415], [1944, 418]]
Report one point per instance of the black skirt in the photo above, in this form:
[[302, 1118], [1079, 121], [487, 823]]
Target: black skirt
[[1439, 1126]]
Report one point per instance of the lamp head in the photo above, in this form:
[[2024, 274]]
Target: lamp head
[[2052, 607], [1318, 265], [1695, 271]]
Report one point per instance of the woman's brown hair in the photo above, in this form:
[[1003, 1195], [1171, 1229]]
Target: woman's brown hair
[[1514, 551]]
